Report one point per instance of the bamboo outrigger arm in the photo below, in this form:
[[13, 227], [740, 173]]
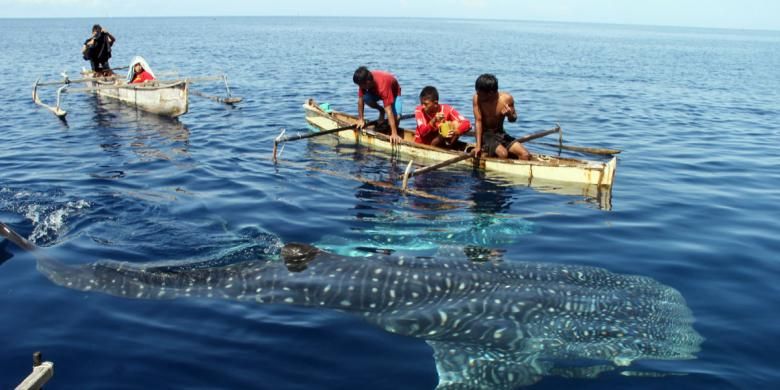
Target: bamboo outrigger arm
[[409, 173], [583, 149], [228, 99], [66, 80], [278, 139], [65, 84], [56, 110]]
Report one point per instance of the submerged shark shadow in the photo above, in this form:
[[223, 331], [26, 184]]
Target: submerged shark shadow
[[492, 325]]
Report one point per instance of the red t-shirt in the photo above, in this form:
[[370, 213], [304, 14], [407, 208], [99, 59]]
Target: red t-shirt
[[385, 86], [425, 132], [141, 77]]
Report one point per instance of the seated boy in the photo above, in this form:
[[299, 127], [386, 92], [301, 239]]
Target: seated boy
[[490, 109], [438, 124]]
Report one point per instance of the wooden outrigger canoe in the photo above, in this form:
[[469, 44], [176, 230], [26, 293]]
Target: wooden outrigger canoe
[[163, 97], [166, 98], [591, 176]]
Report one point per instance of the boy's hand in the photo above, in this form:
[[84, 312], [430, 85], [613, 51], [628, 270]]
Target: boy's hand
[[508, 110], [361, 123]]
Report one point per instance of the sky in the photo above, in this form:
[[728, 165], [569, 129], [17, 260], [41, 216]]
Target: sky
[[733, 14]]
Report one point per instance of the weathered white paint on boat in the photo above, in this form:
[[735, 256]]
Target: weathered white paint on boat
[[162, 98]]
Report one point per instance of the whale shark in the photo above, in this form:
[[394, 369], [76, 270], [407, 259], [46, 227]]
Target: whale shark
[[490, 324]]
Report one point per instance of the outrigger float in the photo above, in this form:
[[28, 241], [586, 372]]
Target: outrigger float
[[557, 174], [163, 97]]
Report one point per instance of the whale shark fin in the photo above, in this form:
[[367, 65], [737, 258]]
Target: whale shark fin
[[469, 366]]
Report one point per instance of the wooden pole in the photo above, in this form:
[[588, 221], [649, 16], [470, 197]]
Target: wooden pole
[[584, 149], [540, 134], [75, 81], [227, 100], [427, 169], [464, 156], [148, 86], [297, 137], [41, 373]]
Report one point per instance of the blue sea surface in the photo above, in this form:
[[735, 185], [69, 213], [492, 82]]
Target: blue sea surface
[[694, 205]]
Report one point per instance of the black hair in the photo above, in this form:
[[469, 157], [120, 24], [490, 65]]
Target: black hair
[[486, 83], [429, 93], [362, 74], [97, 28]]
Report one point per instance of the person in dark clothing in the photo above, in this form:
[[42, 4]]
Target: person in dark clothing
[[97, 50]]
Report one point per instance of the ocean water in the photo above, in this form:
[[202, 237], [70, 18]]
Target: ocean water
[[694, 205]]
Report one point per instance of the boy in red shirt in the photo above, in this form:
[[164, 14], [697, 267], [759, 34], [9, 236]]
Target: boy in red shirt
[[438, 124], [379, 85]]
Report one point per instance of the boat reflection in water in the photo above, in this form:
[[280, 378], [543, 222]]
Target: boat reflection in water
[[592, 194], [150, 137], [387, 222]]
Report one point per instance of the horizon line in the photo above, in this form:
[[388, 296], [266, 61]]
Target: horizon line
[[393, 17]]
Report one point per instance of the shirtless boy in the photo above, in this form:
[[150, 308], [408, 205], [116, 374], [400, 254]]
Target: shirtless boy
[[490, 109]]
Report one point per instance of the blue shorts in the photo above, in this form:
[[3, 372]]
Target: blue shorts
[[370, 98]]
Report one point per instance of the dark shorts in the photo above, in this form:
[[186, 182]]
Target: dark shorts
[[98, 66], [491, 141]]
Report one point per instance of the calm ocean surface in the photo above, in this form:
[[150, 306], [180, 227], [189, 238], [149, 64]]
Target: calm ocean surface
[[695, 205]]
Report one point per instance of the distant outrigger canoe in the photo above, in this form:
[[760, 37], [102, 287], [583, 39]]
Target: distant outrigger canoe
[[545, 168], [163, 97]]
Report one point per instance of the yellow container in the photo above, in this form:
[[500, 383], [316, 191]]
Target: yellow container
[[445, 128]]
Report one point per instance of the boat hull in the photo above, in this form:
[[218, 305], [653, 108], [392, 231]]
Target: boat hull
[[170, 99], [541, 167]]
